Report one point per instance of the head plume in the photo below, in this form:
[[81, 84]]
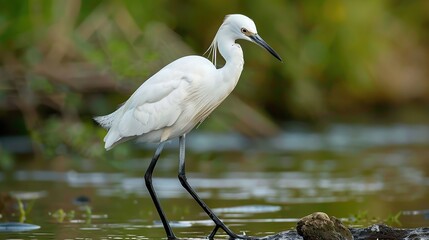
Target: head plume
[[234, 22]]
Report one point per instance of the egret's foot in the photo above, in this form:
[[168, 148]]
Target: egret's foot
[[213, 233], [231, 234]]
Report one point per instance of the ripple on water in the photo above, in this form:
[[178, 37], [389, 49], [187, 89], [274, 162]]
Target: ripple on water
[[248, 209]]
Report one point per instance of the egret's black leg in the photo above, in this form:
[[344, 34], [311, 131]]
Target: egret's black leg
[[213, 233], [148, 181], [185, 184]]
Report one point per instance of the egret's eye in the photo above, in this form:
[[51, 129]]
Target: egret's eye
[[246, 32]]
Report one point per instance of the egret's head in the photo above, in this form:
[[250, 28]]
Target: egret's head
[[237, 26], [242, 27]]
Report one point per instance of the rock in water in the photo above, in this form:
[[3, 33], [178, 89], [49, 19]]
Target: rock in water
[[319, 226]]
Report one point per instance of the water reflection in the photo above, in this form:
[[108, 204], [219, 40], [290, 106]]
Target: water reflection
[[380, 174], [299, 137], [73, 178]]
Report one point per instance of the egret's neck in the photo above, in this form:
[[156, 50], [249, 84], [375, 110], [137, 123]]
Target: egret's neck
[[233, 56], [230, 50]]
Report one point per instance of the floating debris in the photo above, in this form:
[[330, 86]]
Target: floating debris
[[17, 227], [82, 200]]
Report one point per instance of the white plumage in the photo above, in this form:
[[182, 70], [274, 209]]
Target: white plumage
[[182, 94], [170, 103]]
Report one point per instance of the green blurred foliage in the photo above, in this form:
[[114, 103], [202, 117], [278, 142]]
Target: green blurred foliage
[[61, 62]]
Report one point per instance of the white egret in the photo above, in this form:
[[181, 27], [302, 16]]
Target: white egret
[[177, 98]]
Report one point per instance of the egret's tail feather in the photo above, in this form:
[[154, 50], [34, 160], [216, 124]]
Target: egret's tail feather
[[111, 139], [106, 120]]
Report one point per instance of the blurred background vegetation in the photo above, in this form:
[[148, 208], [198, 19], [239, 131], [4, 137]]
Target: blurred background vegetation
[[62, 62]]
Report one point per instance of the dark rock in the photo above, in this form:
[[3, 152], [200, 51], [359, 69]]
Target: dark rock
[[319, 226], [286, 235], [381, 231], [418, 233], [377, 231]]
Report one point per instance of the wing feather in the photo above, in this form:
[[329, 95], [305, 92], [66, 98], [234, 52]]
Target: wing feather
[[162, 101], [154, 105]]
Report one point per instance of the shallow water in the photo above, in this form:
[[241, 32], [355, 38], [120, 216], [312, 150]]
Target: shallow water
[[259, 187]]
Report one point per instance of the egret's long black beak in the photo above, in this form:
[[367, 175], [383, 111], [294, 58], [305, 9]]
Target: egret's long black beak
[[258, 40]]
